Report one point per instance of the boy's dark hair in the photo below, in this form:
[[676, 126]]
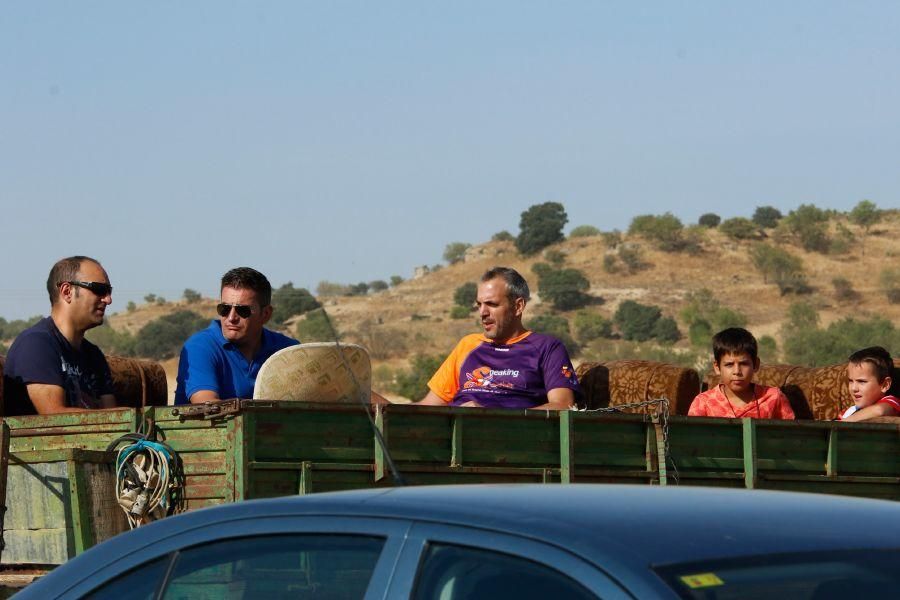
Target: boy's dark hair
[[245, 278], [516, 286], [734, 340], [878, 357]]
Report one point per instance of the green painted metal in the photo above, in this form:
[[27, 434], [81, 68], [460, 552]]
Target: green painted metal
[[379, 451], [265, 449], [456, 443], [80, 509], [749, 430], [566, 447]]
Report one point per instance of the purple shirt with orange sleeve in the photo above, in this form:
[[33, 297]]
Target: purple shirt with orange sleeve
[[517, 374]]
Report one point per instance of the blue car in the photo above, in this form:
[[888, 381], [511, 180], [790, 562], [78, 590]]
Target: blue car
[[503, 541]]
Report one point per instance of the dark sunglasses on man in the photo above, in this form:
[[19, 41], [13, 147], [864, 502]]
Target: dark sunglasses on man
[[243, 310], [99, 289]]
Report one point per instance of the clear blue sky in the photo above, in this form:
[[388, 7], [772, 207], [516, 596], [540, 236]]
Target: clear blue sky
[[351, 141]]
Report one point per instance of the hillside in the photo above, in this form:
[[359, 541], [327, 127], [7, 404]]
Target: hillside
[[412, 318]]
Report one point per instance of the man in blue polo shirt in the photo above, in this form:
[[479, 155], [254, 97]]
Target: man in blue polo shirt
[[222, 361]]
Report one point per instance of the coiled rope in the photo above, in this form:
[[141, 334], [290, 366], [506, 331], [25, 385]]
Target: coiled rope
[[149, 479]]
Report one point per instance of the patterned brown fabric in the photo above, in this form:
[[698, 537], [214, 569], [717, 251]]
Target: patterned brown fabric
[[819, 393], [621, 382], [138, 382]]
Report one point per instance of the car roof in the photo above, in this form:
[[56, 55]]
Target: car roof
[[643, 524]]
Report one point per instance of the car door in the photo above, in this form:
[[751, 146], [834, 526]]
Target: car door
[[260, 557], [445, 562]]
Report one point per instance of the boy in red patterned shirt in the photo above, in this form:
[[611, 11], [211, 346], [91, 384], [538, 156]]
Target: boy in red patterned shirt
[[735, 361]]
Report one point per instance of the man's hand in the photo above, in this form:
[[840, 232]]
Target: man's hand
[[558, 399]]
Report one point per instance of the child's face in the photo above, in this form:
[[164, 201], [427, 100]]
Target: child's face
[[736, 371], [864, 385]]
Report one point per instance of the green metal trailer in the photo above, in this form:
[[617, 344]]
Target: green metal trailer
[[60, 493]]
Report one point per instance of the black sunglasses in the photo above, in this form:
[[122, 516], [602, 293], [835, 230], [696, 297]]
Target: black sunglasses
[[101, 290], [243, 310]]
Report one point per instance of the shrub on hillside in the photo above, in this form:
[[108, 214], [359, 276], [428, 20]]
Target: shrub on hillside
[[111, 341], [413, 383], [459, 312], [584, 231], [378, 285], [564, 288], [316, 327], [591, 326], [767, 348], [540, 226], [541, 268], [329, 288], [610, 264], [465, 295], [865, 214], [767, 217], [705, 315], [739, 228], [131, 306], [555, 257], [666, 330], [191, 296], [612, 239], [9, 330], [709, 220], [288, 301], [396, 280], [666, 231], [455, 252], [890, 284], [809, 345], [503, 236], [558, 327], [636, 320], [781, 268], [632, 257], [809, 224], [843, 290], [357, 289], [163, 338]]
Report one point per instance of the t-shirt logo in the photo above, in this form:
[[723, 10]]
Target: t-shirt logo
[[480, 377], [567, 371]]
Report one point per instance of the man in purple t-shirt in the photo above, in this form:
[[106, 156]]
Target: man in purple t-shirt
[[507, 366]]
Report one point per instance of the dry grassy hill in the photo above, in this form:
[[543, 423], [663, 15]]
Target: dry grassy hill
[[412, 318]]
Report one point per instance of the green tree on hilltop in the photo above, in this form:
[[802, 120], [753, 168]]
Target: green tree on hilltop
[[767, 217], [540, 226], [455, 252], [564, 288]]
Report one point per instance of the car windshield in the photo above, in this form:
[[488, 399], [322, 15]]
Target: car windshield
[[820, 576]]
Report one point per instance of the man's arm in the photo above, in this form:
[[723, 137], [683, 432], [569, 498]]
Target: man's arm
[[881, 409], [558, 399], [51, 399], [201, 396], [431, 399]]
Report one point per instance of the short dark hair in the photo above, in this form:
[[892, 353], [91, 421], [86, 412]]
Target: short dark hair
[[245, 278], [878, 357], [734, 340], [65, 269], [516, 286]]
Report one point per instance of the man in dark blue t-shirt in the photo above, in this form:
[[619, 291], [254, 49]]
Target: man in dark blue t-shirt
[[50, 367], [223, 360]]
